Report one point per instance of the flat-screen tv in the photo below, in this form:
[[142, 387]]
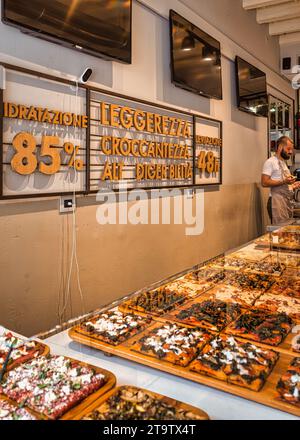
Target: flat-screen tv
[[251, 84], [97, 27], [195, 58]]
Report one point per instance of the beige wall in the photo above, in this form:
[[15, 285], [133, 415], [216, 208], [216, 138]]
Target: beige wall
[[115, 260]]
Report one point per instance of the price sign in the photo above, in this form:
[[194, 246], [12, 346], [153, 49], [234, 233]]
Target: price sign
[[208, 151]]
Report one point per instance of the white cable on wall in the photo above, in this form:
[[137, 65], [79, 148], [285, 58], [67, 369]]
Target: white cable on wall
[[74, 255]]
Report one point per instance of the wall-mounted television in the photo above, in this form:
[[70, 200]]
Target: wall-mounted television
[[251, 84], [195, 58], [97, 27]]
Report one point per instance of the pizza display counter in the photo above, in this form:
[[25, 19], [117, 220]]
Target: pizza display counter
[[223, 336]]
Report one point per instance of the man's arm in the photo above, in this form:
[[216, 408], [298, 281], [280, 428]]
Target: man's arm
[[267, 182]]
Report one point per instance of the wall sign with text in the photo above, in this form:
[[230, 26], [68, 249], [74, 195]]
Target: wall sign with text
[[208, 151], [138, 144], [56, 138], [43, 136]]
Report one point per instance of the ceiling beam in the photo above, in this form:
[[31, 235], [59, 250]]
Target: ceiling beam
[[292, 38], [284, 27], [254, 4], [284, 11]]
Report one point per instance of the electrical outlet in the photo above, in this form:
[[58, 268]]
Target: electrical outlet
[[66, 204]]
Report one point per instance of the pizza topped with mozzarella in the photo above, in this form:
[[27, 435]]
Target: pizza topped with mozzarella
[[172, 343], [10, 411], [113, 326], [280, 303], [288, 386], [51, 385], [239, 363], [22, 351]]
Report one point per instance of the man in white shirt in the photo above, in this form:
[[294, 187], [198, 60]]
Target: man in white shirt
[[277, 177]]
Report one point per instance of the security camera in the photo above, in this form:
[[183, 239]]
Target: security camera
[[86, 75]]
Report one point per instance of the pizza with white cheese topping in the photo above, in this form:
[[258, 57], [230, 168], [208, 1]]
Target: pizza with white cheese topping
[[239, 363], [11, 411], [172, 343], [226, 292], [51, 385], [289, 384], [113, 326], [280, 303], [22, 351]]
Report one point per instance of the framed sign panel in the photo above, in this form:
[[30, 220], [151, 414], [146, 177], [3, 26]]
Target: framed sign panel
[[44, 132], [58, 138], [137, 144], [208, 151]]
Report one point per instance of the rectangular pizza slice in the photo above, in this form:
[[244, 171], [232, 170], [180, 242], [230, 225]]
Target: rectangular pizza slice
[[280, 304], [266, 266], [132, 403], [51, 385], [239, 363], [228, 293], [288, 385], [261, 326], [251, 281], [172, 343], [11, 411], [209, 314], [286, 286], [22, 351], [113, 327], [155, 302]]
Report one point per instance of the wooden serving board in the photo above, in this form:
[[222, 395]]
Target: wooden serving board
[[266, 396], [169, 401], [109, 384]]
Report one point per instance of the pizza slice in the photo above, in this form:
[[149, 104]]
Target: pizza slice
[[239, 363], [266, 266], [251, 281], [261, 326], [155, 302], [172, 343], [296, 343], [288, 259], [132, 403], [51, 385], [209, 314], [228, 293], [288, 386], [208, 274], [286, 286], [11, 411], [22, 351], [280, 304], [113, 327]]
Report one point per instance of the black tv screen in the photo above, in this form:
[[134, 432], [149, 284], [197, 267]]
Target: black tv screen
[[251, 88], [195, 58], [98, 27]]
